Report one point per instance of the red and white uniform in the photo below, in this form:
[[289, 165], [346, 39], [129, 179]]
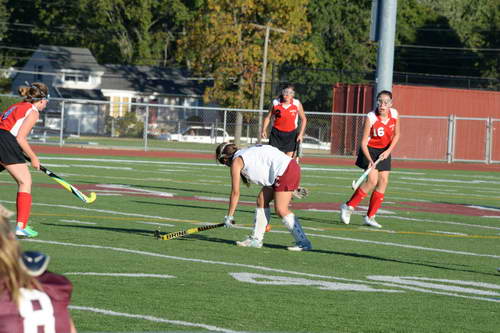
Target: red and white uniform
[[286, 117], [39, 310], [12, 119], [382, 132]]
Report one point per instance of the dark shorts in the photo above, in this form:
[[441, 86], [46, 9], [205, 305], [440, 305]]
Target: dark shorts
[[289, 180], [363, 163], [284, 141], [10, 151]]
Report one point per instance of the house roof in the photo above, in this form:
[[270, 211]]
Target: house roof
[[93, 94], [76, 58], [148, 79]]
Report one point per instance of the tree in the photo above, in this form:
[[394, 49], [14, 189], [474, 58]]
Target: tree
[[116, 31], [227, 43], [340, 33], [470, 30]]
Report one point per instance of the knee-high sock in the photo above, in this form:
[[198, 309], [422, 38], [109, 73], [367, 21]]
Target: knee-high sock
[[356, 198], [375, 203], [267, 212], [293, 225], [23, 205], [260, 222]]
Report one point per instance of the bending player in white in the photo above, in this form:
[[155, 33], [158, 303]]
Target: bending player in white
[[279, 176]]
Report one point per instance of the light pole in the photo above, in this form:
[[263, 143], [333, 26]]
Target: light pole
[[264, 68]]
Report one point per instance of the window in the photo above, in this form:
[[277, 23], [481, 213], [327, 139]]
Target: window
[[76, 77]]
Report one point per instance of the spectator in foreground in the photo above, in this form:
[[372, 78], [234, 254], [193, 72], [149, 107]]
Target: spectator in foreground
[[31, 298]]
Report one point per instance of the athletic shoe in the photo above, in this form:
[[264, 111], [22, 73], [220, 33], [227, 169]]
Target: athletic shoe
[[371, 222], [26, 232], [345, 213], [301, 246], [250, 242]]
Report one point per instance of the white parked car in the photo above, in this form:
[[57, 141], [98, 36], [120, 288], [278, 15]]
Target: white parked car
[[312, 143], [201, 134]]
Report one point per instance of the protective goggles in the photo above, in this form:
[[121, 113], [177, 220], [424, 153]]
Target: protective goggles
[[385, 101], [288, 92]]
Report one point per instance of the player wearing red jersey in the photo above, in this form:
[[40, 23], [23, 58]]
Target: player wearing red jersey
[[30, 302], [380, 135], [15, 125], [286, 112]]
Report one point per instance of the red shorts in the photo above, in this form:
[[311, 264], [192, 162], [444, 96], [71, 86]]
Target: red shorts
[[290, 180]]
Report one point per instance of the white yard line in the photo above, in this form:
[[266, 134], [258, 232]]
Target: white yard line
[[270, 269], [151, 318]]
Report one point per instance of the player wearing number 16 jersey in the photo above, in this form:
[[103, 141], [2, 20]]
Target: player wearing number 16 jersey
[[380, 135]]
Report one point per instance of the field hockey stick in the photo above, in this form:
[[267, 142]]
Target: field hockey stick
[[87, 199], [297, 153], [190, 231], [356, 183]]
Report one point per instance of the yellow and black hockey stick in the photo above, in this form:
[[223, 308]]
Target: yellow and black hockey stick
[[190, 231], [87, 199]]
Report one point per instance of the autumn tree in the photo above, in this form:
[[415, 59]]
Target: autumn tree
[[340, 33], [226, 42]]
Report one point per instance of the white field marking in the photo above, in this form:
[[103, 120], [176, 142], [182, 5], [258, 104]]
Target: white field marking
[[378, 230], [125, 161], [448, 232], [416, 247], [204, 164], [313, 229], [135, 190], [407, 281], [343, 170], [210, 328], [112, 212], [108, 194], [225, 199], [484, 208], [156, 223], [101, 167], [441, 180], [77, 222], [173, 170], [361, 211], [324, 236], [56, 165], [491, 217], [442, 222], [273, 280], [263, 268], [139, 275]]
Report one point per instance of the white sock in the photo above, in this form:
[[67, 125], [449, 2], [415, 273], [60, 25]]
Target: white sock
[[260, 222]]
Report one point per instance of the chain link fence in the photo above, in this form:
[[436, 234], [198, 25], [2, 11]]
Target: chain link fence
[[159, 126]]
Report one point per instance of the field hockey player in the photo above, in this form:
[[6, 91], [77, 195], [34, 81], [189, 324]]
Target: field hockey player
[[279, 176], [380, 135], [15, 125]]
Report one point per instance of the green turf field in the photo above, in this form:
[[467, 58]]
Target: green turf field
[[431, 268]]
